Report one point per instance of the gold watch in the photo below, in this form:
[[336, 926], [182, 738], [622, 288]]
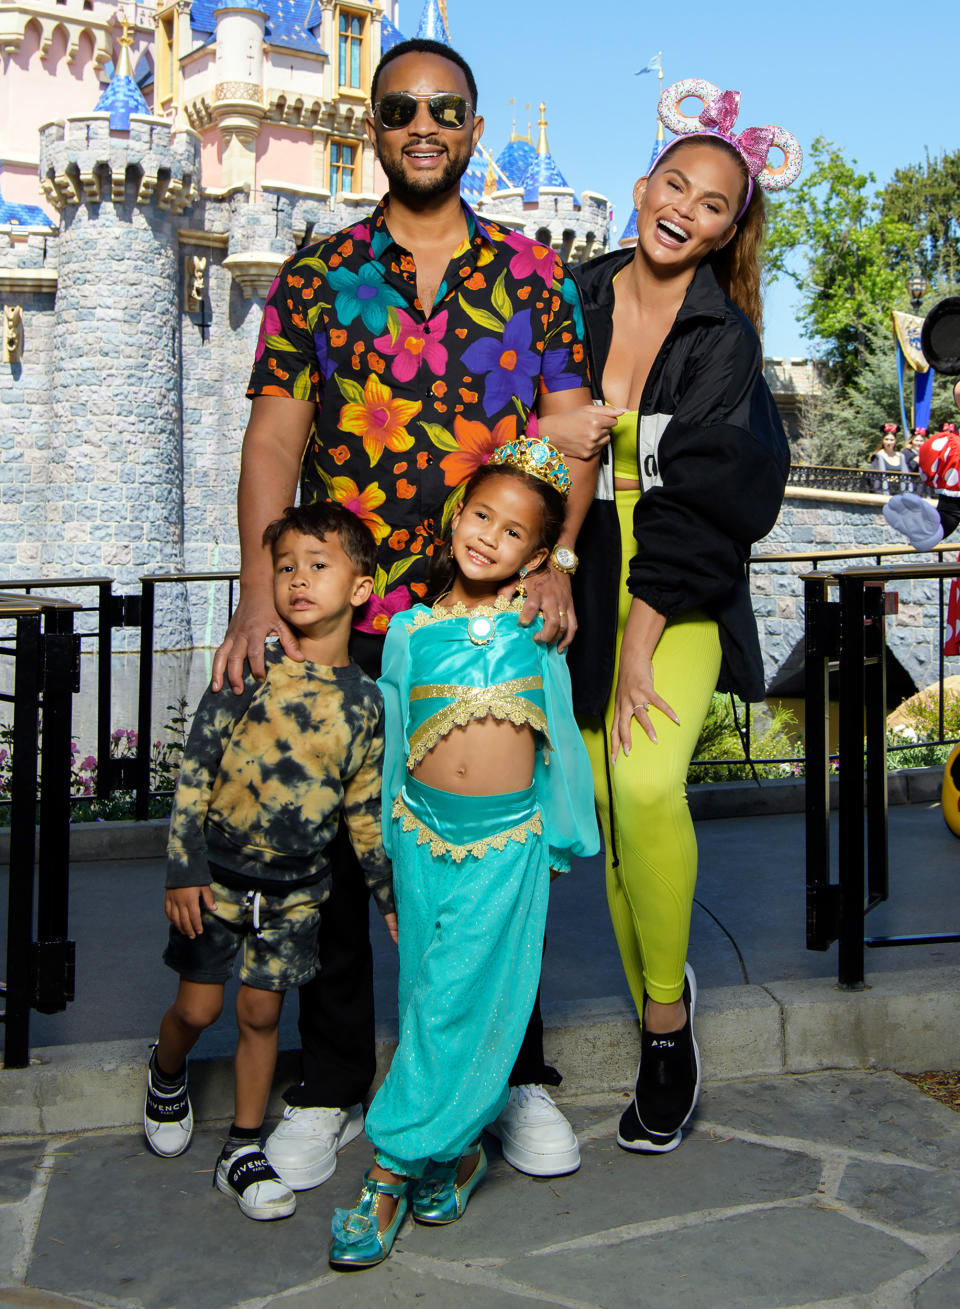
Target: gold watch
[[564, 559]]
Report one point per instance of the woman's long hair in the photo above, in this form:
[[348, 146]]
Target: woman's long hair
[[443, 566], [737, 265]]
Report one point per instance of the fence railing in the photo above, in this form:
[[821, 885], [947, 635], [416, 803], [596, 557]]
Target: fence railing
[[40, 964], [823, 477], [850, 634]]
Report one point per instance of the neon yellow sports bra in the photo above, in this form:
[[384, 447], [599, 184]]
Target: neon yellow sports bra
[[623, 440]]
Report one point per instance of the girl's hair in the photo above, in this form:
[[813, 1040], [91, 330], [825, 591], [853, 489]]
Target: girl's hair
[[737, 265], [443, 567]]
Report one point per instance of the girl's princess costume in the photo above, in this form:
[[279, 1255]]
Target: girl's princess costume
[[471, 873]]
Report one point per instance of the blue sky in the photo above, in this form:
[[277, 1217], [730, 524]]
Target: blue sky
[[882, 86]]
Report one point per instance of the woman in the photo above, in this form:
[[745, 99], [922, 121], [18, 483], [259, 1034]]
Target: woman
[[699, 465], [887, 458]]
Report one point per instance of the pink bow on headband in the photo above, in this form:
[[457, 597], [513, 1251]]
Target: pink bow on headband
[[720, 115]]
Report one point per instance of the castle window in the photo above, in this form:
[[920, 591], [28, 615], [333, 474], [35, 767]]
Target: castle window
[[166, 71], [343, 160], [350, 33]]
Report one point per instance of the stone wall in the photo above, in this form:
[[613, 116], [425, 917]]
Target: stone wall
[[811, 522]]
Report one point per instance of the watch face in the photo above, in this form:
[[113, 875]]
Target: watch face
[[564, 557]]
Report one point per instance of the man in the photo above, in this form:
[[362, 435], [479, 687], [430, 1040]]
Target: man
[[415, 341]]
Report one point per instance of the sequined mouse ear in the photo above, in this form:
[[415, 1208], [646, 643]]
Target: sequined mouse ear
[[689, 88], [776, 177]]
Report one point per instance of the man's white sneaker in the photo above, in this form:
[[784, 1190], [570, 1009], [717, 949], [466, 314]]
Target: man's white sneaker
[[248, 1177], [534, 1135], [303, 1146]]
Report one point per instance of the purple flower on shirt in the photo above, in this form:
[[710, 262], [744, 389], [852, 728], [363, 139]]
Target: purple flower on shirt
[[510, 364]]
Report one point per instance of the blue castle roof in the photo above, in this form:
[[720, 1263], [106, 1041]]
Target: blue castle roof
[[286, 25], [514, 159], [390, 35], [122, 97], [432, 27], [23, 215], [543, 170]]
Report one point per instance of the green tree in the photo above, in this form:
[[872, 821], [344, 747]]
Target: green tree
[[830, 237], [923, 197]]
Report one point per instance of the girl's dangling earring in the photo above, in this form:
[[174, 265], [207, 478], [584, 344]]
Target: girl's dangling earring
[[521, 589]]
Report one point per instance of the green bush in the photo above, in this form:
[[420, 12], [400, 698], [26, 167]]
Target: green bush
[[720, 739]]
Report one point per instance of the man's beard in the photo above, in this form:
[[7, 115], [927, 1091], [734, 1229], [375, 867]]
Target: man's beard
[[405, 187]]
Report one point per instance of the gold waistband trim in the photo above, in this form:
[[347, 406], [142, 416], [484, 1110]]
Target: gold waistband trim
[[438, 846], [473, 703]]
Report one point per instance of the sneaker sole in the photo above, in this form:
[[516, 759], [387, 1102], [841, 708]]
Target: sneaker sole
[[654, 1149], [559, 1164], [643, 1145], [306, 1178], [260, 1213]]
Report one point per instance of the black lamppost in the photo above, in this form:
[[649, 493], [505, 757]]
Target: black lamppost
[[916, 289]]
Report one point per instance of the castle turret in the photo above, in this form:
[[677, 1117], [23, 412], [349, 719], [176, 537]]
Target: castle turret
[[433, 22], [238, 107], [115, 456]]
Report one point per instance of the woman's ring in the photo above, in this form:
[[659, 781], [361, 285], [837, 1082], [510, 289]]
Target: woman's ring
[[561, 613], [644, 705]]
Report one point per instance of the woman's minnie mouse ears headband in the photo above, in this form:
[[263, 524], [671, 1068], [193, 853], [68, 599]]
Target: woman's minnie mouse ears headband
[[717, 119]]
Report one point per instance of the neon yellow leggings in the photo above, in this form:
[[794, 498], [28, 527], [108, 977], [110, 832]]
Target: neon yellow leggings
[[652, 856]]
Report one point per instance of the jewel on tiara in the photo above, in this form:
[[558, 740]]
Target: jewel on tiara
[[536, 457], [717, 119]]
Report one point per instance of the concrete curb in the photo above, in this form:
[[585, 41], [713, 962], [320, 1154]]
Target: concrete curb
[[905, 1021], [148, 839]]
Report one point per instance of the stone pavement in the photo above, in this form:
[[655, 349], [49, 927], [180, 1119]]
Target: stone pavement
[[839, 1189]]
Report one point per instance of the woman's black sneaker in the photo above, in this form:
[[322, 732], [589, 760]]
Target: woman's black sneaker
[[668, 1084]]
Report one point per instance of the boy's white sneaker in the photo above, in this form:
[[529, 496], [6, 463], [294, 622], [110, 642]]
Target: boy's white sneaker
[[167, 1117], [248, 1177], [534, 1135], [303, 1146]]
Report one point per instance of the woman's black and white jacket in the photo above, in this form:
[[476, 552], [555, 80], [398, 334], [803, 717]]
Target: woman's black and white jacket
[[713, 461]]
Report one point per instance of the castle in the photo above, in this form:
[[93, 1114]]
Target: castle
[[200, 143]]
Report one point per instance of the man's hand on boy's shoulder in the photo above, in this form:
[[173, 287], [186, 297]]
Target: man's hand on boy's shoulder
[[184, 907]]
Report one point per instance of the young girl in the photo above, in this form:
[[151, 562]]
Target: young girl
[[490, 789]]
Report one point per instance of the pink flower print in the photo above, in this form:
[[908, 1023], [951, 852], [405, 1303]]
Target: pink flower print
[[531, 257], [379, 609], [416, 344], [269, 325], [361, 232]]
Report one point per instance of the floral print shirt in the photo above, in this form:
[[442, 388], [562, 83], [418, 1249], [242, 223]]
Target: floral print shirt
[[410, 405]]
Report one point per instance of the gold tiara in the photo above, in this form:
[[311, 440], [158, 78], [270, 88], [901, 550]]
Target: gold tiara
[[536, 457]]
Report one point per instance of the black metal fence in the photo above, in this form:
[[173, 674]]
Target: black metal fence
[[41, 962], [849, 634], [822, 477]]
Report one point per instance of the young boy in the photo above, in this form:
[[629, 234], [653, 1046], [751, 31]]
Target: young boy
[[265, 778]]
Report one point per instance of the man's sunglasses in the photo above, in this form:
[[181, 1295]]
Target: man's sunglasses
[[399, 109]]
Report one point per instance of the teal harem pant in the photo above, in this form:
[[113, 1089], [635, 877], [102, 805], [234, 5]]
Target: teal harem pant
[[471, 880]]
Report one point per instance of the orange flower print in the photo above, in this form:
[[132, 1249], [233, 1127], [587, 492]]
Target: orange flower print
[[401, 467], [362, 503], [566, 337], [399, 539], [416, 546], [376, 362], [338, 337], [578, 353], [461, 332], [476, 283], [380, 420], [439, 388], [300, 321], [440, 408], [468, 397], [275, 390], [407, 264], [523, 292], [335, 261], [346, 250], [405, 489], [340, 453], [477, 443], [423, 459], [419, 588], [307, 293], [294, 279], [359, 347]]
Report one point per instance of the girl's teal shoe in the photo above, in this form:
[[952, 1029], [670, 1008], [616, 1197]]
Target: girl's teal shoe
[[438, 1199], [357, 1241]]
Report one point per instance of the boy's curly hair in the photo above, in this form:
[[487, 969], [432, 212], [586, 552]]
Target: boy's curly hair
[[317, 520]]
